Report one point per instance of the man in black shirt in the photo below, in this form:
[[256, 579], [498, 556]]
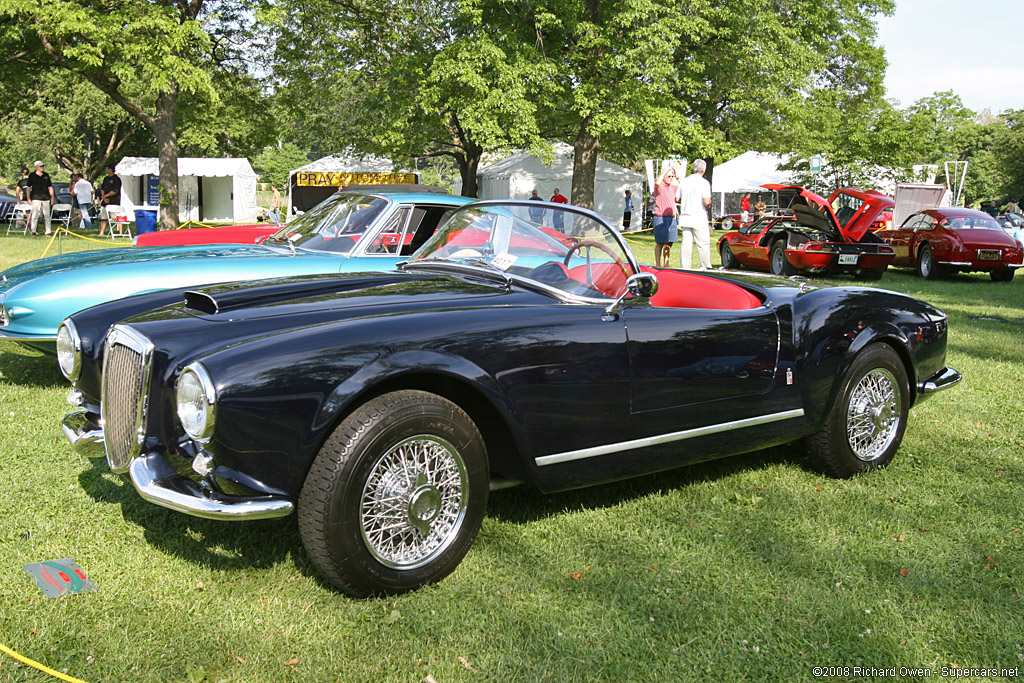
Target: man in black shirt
[[110, 191], [40, 191]]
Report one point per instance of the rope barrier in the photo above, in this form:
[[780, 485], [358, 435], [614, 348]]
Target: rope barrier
[[58, 231], [36, 665]]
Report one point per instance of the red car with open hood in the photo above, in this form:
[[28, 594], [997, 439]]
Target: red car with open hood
[[815, 235]]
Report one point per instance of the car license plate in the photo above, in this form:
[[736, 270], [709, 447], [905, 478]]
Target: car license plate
[[989, 254], [848, 259]]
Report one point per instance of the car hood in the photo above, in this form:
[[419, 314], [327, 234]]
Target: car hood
[[101, 263], [913, 197], [874, 203]]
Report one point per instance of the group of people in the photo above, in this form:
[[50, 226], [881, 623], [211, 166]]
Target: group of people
[[538, 213], [681, 206], [36, 188], [759, 208]]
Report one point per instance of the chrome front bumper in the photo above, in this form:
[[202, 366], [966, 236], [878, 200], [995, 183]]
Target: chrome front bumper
[[943, 379], [157, 482]]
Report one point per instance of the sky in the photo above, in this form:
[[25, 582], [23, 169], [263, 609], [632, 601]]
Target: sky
[[974, 48]]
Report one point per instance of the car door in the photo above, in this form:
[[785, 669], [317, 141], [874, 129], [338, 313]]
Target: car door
[[692, 367]]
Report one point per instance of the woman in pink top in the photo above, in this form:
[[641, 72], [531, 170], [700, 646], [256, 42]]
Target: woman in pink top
[[664, 224]]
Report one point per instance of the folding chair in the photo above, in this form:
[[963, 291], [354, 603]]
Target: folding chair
[[61, 214], [117, 218], [19, 219]]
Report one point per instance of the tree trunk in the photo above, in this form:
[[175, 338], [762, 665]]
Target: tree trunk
[[167, 154], [584, 166]]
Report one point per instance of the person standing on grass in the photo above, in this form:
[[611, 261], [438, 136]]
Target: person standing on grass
[[110, 193], [536, 215], [664, 224], [694, 196], [627, 211], [745, 208], [83, 191], [40, 191], [558, 217], [275, 205], [21, 190]]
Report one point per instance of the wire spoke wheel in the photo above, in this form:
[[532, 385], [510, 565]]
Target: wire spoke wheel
[[873, 415], [414, 502]]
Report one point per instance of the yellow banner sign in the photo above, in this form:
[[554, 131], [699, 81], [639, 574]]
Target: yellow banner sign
[[326, 179]]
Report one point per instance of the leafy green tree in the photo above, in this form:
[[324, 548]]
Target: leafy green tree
[[67, 119], [402, 80], [145, 55], [275, 163], [1008, 151]]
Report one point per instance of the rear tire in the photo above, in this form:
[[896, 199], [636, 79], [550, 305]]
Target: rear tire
[[729, 261], [1003, 275], [865, 426], [727, 223], [926, 266], [777, 260], [396, 495]]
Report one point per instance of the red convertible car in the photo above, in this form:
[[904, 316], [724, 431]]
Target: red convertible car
[[231, 234], [821, 236], [951, 239]]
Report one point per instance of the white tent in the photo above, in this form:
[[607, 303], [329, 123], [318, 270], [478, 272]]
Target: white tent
[[514, 177], [745, 173], [310, 184], [208, 189]]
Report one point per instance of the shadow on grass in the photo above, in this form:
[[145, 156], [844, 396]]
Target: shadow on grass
[[210, 543], [28, 367], [525, 504]]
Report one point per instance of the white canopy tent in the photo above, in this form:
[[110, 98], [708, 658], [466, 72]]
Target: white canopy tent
[[222, 190], [745, 173], [515, 176]]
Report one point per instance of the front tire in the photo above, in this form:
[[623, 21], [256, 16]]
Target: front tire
[[865, 426], [727, 223], [926, 266], [729, 261], [396, 495], [778, 261]]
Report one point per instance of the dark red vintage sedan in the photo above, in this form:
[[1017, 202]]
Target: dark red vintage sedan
[[821, 236], [951, 239]]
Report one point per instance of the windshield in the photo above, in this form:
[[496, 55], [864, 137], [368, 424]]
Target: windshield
[[970, 223], [557, 248], [333, 225]]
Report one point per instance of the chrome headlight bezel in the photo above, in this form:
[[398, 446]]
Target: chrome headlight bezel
[[195, 401], [69, 358]]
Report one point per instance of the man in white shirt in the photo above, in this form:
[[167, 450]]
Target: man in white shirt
[[83, 192], [694, 197]]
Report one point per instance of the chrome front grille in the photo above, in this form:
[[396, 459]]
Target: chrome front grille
[[126, 370]]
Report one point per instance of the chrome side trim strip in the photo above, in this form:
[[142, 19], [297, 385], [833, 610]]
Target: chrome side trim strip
[[556, 458], [26, 339]]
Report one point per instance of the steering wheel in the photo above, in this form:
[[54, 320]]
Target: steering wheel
[[603, 247]]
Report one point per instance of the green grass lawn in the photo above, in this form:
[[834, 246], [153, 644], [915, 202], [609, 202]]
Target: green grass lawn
[[751, 568]]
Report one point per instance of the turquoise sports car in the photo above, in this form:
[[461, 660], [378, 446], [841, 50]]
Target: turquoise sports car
[[348, 232]]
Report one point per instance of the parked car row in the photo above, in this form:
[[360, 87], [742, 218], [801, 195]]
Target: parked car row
[[381, 407], [853, 232]]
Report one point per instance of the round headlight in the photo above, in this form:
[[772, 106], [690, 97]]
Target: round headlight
[[196, 399], [69, 350]]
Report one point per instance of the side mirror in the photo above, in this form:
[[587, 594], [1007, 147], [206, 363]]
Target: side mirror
[[639, 285]]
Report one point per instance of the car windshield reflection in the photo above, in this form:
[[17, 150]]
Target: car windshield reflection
[[562, 249], [333, 225]]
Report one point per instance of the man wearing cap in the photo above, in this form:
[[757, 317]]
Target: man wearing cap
[[40, 191]]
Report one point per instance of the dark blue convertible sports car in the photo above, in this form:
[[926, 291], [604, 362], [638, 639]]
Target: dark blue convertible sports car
[[382, 407]]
